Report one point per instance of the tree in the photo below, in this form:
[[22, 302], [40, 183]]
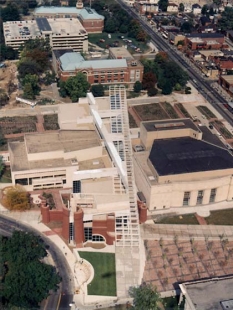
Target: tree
[[97, 90], [3, 140], [167, 89], [226, 20], [110, 26], [3, 97], [137, 87], [163, 4], [204, 9], [7, 52], [75, 86], [186, 27], [31, 87], [16, 198], [25, 279], [28, 66], [146, 297], [181, 7], [10, 13], [152, 91], [149, 80]]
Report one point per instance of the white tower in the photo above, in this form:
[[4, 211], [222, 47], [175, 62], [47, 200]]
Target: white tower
[[79, 4]]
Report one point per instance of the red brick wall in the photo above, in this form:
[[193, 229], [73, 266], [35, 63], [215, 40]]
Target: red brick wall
[[65, 223], [78, 227], [93, 25], [56, 215]]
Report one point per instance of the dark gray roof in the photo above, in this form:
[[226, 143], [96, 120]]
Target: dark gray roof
[[59, 53], [205, 35], [43, 24], [187, 155], [209, 137], [170, 125]]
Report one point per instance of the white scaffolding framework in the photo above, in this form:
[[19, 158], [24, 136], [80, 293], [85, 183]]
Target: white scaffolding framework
[[127, 230]]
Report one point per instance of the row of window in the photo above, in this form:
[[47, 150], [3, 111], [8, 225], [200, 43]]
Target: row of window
[[200, 196]]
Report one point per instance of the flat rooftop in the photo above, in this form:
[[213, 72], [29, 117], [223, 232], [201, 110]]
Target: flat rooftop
[[187, 155], [169, 125], [209, 295], [84, 13], [66, 141], [228, 78], [61, 26], [120, 52]]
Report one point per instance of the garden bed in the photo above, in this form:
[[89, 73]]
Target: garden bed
[[206, 112], [182, 109], [18, 124], [220, 217], [132, 123], [169, 110], [49, 200], [51, 122], [222, 129], [185, 219], [149, 112]]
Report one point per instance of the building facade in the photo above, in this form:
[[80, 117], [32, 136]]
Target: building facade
[[88, 17], [61, 33], [120, 69], [176, 168]]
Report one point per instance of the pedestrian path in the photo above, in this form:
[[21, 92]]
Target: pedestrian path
[[152, 231]]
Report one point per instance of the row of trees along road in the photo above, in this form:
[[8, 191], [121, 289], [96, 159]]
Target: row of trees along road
[[117, 19], [165, 72], [24, 279]]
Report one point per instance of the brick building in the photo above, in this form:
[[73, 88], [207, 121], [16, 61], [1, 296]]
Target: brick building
[[196, 41], [120, 69], [149, 6], [226, 81], [89, 18], [223, 63]]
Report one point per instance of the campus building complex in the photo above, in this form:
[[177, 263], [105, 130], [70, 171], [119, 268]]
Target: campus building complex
[[122, 68], [88, 17], [180, 164], [61, 33]]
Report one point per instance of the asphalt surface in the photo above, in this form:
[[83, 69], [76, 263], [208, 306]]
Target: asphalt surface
[[203, 86], [64, 296]]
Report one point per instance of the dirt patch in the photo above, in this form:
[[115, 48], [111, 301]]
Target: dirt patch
[[8, 80]]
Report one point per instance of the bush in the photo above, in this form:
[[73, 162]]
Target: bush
[[152, 91]]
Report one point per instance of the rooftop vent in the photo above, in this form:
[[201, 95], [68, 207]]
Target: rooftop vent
[[134, 63]]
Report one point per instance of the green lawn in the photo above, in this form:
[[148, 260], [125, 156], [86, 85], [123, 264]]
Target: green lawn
[[220, 217], [96, 37], [186, 219], [104, 282], [6, 177]]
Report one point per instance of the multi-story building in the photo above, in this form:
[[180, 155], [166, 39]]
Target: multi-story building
[[89, 18], [149, 6], [196, 41], [175, 166], [226, 81], [91, 160], [61, 33], [123, 68]]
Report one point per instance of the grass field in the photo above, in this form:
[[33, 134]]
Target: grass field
[[152, 111], [185, 219], [220, 217], [104, 282]]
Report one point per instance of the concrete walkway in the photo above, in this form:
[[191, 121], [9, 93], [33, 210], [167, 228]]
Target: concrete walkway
[[152, 231]]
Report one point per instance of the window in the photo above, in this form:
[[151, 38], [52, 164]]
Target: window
[[116, 124], [186, 198], [199, 197], [88, 233], [76, 186], [120, 149], [213, 194], [97, 238], [71, 231]]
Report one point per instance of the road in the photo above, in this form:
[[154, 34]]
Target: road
[[61, 299], [203, 85]]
